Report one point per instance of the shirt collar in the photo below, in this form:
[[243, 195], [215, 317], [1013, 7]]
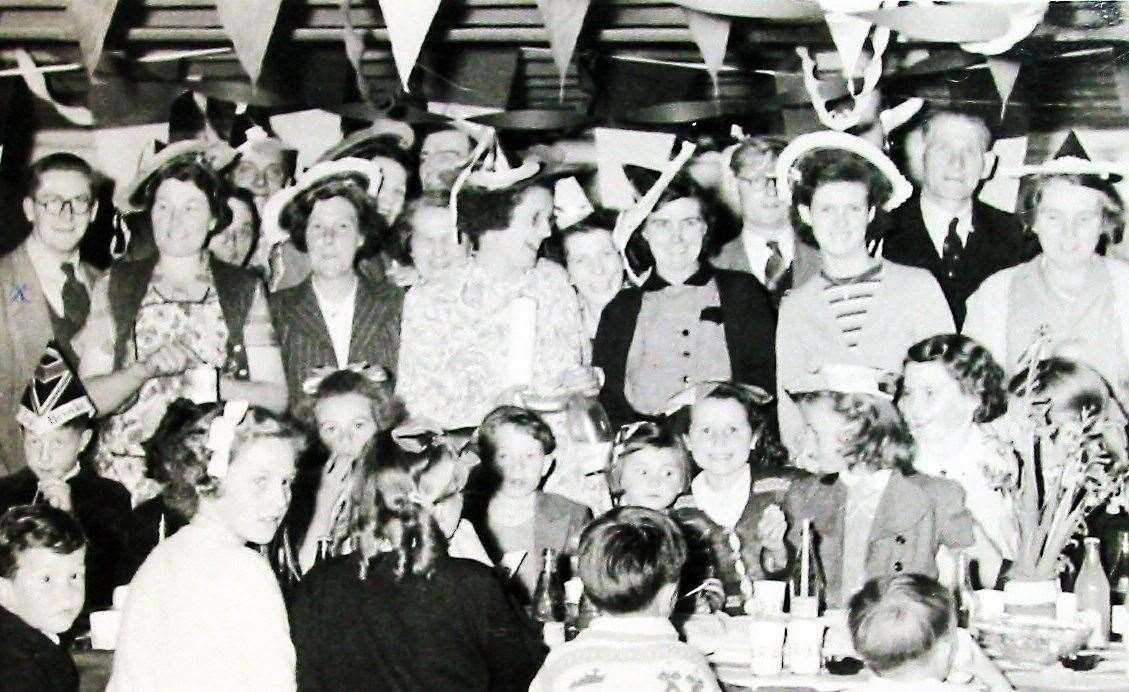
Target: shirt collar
[[701, 277], [937, 221], [652, 625], [723, 506], [867, 275], [43, 260]]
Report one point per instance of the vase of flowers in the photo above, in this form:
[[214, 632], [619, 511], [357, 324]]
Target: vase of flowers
[[1074, 460]]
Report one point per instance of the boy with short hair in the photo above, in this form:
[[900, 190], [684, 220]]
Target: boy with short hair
[[42, 587], [904, 628], [630, 562]]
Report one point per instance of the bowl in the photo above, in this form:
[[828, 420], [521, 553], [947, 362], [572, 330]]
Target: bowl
[[1030, 640]]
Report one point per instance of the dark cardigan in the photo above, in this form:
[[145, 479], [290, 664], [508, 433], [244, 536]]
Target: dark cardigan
[[453, 631], [750, 338], [30, 662]]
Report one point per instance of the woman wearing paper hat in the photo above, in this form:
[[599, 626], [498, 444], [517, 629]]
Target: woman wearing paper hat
[[177, 323], [337, 315], [385, 148], [1069, 292], [858, 309], [505, 321], [686, 321]]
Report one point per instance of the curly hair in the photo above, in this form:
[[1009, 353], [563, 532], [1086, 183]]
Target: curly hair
[[387, 410], [189, 169], [1113, 209], [971, 365], [825, 166], [482, 210], [182, 456], [876, 435], [638, 250], [295, 216], [646, 435], [390, 510], [24, 527], [1071, 385], [767, 452]]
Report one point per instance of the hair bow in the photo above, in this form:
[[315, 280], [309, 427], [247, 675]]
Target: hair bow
[[373, 373], [701, 390], [221, 435]]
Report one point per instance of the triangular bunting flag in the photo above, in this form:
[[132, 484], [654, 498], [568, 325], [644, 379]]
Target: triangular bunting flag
[[407, 23], [563, 20], [91, 19], [711, 33], [849, 34], [1072, 146], [249, 24], [1004, 73], [1121, 81]]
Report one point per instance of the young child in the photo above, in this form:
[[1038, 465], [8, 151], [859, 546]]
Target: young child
[[741, 484], [649, 467], [55, 419], [42, 551], [519, 521], [904, 627], [630, 562], [871, 513], [350, 409]]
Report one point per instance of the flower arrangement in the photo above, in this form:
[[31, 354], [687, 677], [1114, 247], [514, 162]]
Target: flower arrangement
[[1074, 461]]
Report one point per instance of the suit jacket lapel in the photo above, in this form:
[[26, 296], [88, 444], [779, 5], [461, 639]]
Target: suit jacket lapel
[[367, 319], [901, 507], [31, 316], [307, 314]]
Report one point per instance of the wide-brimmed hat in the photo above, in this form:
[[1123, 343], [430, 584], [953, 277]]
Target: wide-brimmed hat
[[216, 155], [367, 174], [360, 143]]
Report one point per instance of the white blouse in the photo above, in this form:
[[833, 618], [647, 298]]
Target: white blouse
[[204, 613], [338, 318]]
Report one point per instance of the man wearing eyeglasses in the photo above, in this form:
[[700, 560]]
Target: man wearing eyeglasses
[[767, 247], [46, 287]]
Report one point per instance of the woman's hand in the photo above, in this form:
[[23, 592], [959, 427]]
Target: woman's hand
[[171, 359]]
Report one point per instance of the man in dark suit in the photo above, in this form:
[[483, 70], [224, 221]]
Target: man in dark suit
[[943, 228], [46, 287]]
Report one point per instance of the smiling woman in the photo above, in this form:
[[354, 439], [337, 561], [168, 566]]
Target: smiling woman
[[179, 323]]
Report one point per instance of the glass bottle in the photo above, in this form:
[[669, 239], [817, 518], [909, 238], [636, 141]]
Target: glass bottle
[[806, 584], [963, 593], [1119, 571], [703, 603], [1092, 591], [548, 597]]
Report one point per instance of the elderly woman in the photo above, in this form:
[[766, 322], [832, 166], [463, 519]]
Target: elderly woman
[[859, 310], [236, 242], [502, 323], [337, 315], [424, 242], [179, 323], [1069, 292], [687, 322], [951, 389]]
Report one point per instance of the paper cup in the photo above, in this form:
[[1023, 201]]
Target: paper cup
[[768, 597], [1066, 605], [990, 603], [803, 647], [104, 625], [768, 647]]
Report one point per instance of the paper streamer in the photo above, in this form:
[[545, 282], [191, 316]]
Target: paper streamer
[[249, 24], [711, 34], [563, 20], [614, 148], [1004, 72], [407, 23], [37, 85], [91, 19], [1000, 191]]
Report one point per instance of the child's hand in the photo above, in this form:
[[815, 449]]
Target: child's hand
[[57, 493], [770, 532]]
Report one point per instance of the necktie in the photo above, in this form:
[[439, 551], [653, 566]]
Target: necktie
[[76, 300], [775, 269], [951, 250]]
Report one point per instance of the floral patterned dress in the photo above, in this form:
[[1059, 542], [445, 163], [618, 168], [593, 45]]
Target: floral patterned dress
[[455, 340], [198, 324]]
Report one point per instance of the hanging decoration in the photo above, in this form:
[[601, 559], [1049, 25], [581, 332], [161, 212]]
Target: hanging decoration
[[354, 48], [955, 23], [407, 23], [563, 20], [1022, 17], [37, 85], [711, 34], [91, 19], [1004, 72], [249, 24]]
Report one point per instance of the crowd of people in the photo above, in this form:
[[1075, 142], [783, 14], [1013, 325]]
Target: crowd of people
[[319, 421]]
